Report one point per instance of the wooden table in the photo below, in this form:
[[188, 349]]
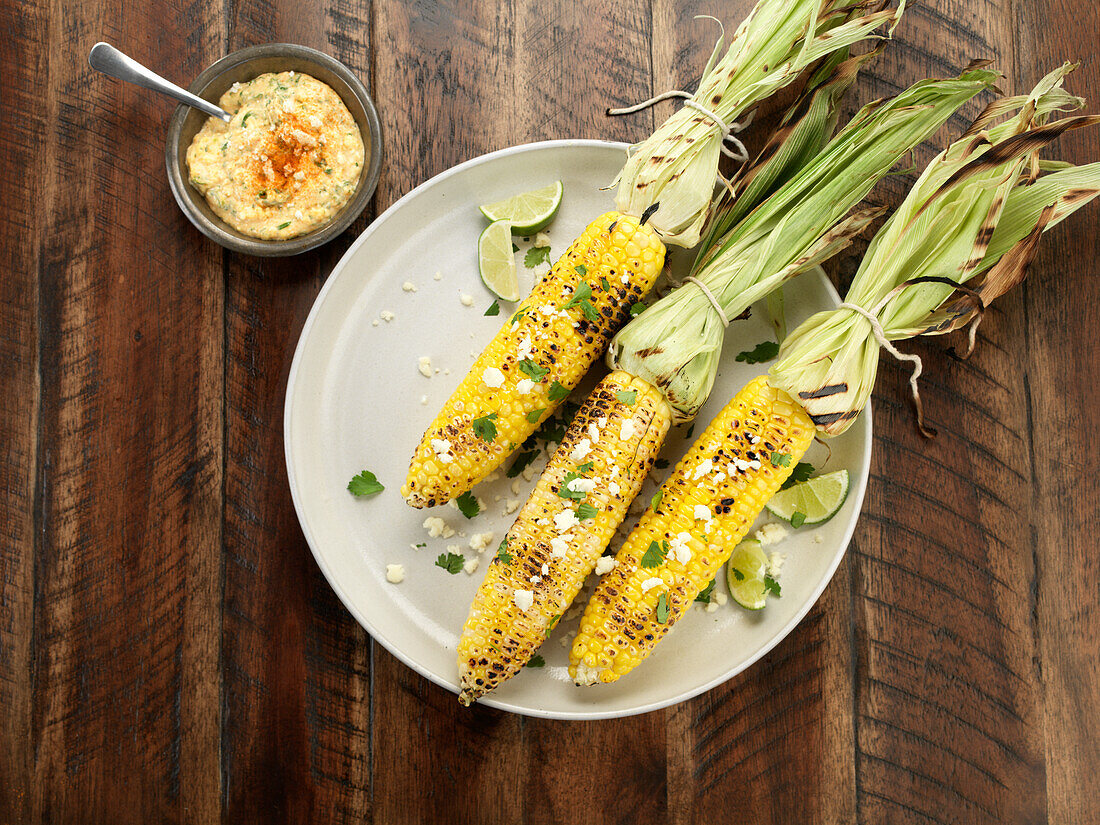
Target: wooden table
[[169, 651]]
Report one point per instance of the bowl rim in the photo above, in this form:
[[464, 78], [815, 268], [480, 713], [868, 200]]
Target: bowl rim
[[216, 229]]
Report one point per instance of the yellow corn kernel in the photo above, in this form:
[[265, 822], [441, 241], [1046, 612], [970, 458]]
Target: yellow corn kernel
[[705, 509], [554, 337], [550, 550]]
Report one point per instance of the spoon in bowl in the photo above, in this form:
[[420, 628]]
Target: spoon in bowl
[[107, 59]]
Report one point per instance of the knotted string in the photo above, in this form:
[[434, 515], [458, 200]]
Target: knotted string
[[884, 342], [728, 130], [710, 297]]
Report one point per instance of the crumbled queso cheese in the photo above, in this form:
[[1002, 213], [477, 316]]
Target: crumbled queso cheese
[[613, 488], [409, 286], [771, 533], [775, 563], [481, 541], [511, 505], [566, 520], [470, 565], [701, 512], [524, 348], [438, 528], [523, 599], [627, 429], [386, 315], [559, 545], [542, 239], [395, 573], [649, 584], [593, 432], [679, 547], [702, 469], [605, 564], [442, 450], [581, 485], [424, 364], [581, 451], [525, 386], [467, 300], [492, 377]]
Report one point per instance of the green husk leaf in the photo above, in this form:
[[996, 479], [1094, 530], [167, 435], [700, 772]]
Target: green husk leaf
[[676, 343], [678, 164], [969, 219]]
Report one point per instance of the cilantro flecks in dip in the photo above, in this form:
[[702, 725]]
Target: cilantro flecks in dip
[[285, 164]]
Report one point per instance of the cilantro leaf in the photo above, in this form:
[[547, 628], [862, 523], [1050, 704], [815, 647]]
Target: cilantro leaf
[[565, 492], [503, 556], [451, 562], [553, 622], [771, 585], [532, 370], [283, 225], [737, 574], [581, 269], [662, 608], [586, 511], [518, 314], [365, 484], [557, 391], [467, 504], [590, 312], [781, 459], [797, 519], [801, 472], [627, 397], [584, 468], [536, 255], [421, 544], [654, 555], [484, 428], [536, 661], [704, 594], [535, 415], [764, 351], [494, 308], [522, 461], [583, 293], [655, 502], [637, 309], [605, 285]]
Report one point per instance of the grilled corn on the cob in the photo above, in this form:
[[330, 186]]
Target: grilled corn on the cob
[[704, 510], [540, 353], [560, 533]]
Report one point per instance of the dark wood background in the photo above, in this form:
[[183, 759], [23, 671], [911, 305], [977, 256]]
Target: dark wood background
[[169, 651]]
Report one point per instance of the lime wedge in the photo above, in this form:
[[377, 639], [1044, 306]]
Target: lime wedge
[[745, 574], [497, 262], [529, 212], [812, 501]]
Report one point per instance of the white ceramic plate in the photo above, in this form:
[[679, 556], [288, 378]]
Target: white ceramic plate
[[356, 400]]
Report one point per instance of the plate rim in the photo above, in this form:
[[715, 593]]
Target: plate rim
[[364, 622]]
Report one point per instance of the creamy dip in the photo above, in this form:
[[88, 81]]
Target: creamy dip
[[285, 164]]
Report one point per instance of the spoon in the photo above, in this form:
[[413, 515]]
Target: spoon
[[107, 59]]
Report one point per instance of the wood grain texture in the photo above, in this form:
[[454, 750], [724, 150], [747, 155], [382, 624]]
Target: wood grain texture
[[169, 651]]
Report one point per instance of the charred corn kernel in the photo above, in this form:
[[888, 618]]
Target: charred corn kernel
[[706, 507], [559, 535], [562, 327]]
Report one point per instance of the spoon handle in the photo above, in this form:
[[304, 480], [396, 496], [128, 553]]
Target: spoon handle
[[107, 59]]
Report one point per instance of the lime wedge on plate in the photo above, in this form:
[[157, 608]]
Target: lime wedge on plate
[[529, 212], [497, 262], [745, 574], [812, 501]]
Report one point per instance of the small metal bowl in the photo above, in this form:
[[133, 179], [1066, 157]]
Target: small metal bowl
[[242, 66]]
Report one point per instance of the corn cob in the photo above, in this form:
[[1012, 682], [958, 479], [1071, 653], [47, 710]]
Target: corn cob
[[704, 510], [606, 453], [539, 354]]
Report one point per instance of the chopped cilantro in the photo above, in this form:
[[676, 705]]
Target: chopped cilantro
[[654, 554], [704, 594], [662, 608], [737, 574], [764, 351], [553, 623], [514, 247], [801, 472], [536, 255], [690, 430], [283, 225], [518, 314], [584, 468], [627, 397], [605, 285], [484, 428], [583, 293], [532, 370], [521, 463], [536, 661], [244, 119], [365, 484], [503, 556], [467, 504], [586, 511], [421, 544], [557, 392], [534, 416], [590, 312], [565, 492], [656, 500], [797, 519], [451, 562], [771, 585], [494, 308], [581, 269], [781, 459], [637, 309]]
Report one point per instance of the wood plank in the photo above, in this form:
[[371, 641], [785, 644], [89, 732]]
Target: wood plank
[[124, 724], [296, 667], [24, 120], [1063, 407]]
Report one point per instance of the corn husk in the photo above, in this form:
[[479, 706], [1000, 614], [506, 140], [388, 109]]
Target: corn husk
[[676, 343], [974, 217], [677, 165]]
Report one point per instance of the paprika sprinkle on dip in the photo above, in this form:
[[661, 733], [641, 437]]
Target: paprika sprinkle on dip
[[285, 164]]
